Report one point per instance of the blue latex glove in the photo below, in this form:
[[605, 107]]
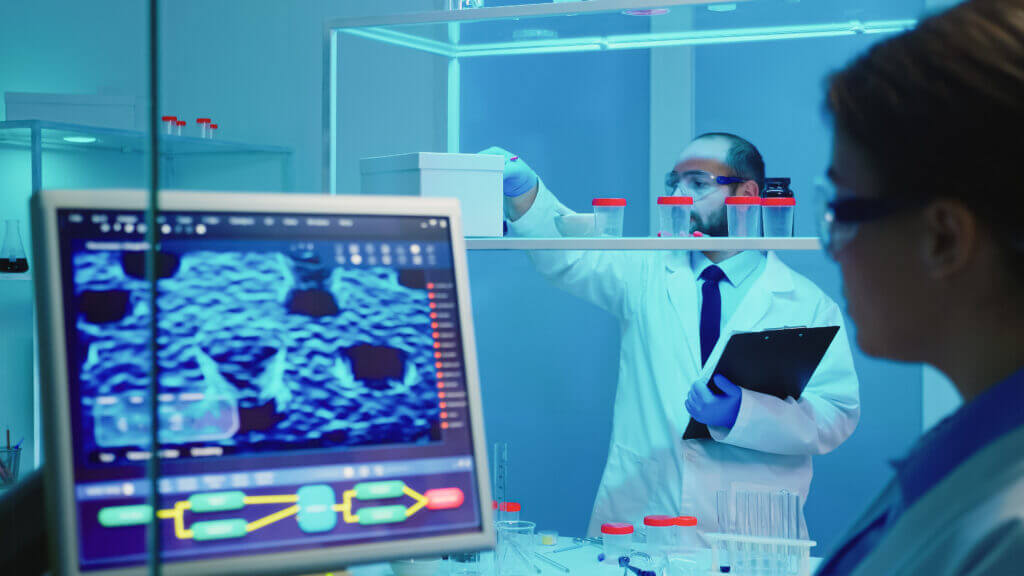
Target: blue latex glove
[[519, 178], [714, 409]]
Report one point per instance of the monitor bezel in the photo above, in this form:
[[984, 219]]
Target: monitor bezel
[[62, 512]]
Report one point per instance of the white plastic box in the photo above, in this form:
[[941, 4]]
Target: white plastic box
[[475, 179]]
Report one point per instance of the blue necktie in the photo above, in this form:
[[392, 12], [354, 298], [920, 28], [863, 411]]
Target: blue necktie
[[710, 311]]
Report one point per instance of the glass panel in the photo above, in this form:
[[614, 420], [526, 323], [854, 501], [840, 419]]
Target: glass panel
[[242, 106], [581, 27], [75, 123]]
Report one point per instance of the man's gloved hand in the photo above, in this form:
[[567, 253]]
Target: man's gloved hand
[[713, 409], [519, 178]]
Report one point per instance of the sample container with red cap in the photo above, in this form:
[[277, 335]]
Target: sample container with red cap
[[204, 127], [661, 533], [778, 216], [179, 126], [609, 214], [687, 539], [509, 511], [213, 130], [618, 539], [674, 216], [170, 124], [744, 216]]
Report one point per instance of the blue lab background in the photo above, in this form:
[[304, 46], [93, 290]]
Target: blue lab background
[[548, 362]]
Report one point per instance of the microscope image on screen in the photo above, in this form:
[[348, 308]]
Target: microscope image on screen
[[258, 351]]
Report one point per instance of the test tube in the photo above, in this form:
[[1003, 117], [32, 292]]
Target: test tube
[[726, 525], [213, 130], [204, 127], [180, 125]]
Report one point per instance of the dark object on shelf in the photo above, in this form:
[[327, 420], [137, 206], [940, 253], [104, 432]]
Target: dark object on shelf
[[777, 188], [12, 253], [17, 265]]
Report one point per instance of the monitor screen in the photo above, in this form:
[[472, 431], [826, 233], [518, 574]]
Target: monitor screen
[[312, 391]]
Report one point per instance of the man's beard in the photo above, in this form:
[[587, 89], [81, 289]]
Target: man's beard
[[716, 226]]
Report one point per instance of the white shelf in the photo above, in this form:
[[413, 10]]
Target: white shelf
[[15, 277], [701, 244]]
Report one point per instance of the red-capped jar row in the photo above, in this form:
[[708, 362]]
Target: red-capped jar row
[[670, 533], [747, 216], [664, 534], [175, 127], [750, 216]]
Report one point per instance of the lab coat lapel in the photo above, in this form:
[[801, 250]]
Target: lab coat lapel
[[682, 293], [775, 278]]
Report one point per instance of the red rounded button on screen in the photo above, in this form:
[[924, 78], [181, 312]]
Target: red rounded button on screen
[[444, 498]]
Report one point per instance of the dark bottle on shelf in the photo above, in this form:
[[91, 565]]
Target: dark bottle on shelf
[[777, 188]]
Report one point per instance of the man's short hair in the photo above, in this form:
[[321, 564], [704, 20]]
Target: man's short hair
[[743, 157]]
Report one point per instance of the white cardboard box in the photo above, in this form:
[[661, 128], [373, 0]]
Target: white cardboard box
[[475, 179], [99, 111]]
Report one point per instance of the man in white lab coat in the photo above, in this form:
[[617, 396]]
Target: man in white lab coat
[[672, 307]]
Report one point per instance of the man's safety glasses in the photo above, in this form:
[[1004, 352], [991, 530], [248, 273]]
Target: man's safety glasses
[[696, 183]]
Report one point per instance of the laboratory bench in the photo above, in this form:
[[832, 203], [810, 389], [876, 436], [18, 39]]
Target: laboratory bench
[[581, 561]]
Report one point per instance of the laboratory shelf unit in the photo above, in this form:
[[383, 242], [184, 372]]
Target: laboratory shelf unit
[[602, 25], [400, 83], [186, 162], [700, 244]]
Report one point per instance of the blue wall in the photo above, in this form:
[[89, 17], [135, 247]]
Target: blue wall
[[549, 362]]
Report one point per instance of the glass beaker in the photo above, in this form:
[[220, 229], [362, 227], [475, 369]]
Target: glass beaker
[[9, 460], [12, 254], [514, 553]]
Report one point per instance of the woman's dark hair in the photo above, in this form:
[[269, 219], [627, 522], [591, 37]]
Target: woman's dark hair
[[939, 111]]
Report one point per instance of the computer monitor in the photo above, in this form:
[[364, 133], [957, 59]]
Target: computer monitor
[[319, 403]]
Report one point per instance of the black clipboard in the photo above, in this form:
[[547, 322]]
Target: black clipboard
[[777, 362]]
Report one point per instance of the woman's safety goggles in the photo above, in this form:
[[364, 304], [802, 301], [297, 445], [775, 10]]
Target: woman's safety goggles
[[840, 217]]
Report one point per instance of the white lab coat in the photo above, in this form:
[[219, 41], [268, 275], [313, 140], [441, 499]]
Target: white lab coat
[[969, 524], [650, 469]]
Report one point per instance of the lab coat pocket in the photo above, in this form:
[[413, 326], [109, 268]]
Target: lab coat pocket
[[626, 489]]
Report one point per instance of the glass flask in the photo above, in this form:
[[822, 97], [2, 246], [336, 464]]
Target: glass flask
[[12, 253]]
